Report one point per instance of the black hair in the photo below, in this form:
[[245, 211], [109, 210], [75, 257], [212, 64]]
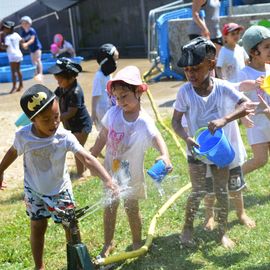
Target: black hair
[[123, 84], [254, 50], [67, 74]]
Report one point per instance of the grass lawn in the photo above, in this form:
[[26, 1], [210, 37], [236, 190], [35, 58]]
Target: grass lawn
[[250, 253]]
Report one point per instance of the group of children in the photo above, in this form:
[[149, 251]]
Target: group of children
[[127, 132], [27, 40]]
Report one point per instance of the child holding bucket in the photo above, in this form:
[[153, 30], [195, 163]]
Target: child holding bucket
[[47, 184], [231, 59], [256, 41], [127, 132], [202, 100]]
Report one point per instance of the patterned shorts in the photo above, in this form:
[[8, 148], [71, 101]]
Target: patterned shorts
[[236, 181], [40, 206]]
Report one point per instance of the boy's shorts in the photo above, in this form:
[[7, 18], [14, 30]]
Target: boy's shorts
[[236, 181], [236, 178], [40, 206]]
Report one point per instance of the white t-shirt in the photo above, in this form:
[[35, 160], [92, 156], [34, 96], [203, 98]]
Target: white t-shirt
[[231, 62], [201, 110], [260, 133], [13, 50], [129, 141], [99, 89], [45, 169]]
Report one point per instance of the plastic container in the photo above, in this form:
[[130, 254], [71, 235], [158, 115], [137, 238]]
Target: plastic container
[[215, 147], [266, 85], [28, 72], [158, 171], [22, 120]]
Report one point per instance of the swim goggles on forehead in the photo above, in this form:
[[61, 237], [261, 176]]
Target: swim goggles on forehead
[[66, 65]]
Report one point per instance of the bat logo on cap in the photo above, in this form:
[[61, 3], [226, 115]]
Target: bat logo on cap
[[36, 100]]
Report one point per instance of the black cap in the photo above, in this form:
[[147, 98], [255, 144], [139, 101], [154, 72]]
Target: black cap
[[65, 65], [105, 51], [195, 51], [35, 99], [8, 24]]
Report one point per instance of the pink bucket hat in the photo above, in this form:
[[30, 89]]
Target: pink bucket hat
[[130, 75]]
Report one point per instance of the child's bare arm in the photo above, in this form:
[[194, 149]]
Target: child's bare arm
[[69, 114], [180, 131], [7, 160], [94, 165], [29, 42], [100, 142], [266, 107], [244, 108], [161, 146], [3, 46]]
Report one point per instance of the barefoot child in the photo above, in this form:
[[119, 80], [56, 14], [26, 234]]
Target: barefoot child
[[44, 145], [74, 114], [32, 42], [256, 41], [202, 101], [231, 59], [107, 56], [11, 44], [127, 132]]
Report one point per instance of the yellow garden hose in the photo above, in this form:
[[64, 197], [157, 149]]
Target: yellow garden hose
[[151, 231]]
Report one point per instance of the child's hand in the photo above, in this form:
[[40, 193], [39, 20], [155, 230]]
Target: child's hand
[[247, 122], [113, 187], [25, 46], [215, 124], [265, 106], [191, 143], [259, 81], [167, 162]]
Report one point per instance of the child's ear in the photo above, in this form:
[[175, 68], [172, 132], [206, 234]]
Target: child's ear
[[212, 64], [138, 93]]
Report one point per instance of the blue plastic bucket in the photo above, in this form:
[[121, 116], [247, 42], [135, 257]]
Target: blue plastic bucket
[[214, 147]]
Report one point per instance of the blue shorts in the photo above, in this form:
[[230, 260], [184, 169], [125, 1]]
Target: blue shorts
[[40, 206]]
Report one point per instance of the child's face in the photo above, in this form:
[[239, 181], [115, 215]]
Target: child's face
[[6, 30], [25, 25], [64, 82], [127, 99], [233, 37], [262, 55], [196, 75], [47, 121], [116, 55]]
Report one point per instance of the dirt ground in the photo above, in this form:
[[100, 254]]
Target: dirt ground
[[164, 94]]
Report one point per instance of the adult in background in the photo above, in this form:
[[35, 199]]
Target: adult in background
[[32, 42], [209, 25]]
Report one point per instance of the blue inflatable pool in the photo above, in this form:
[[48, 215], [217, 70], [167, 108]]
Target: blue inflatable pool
[[28, 72], [3, 59]]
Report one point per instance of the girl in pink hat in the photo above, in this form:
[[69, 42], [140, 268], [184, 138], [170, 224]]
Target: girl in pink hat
[[127, 131]]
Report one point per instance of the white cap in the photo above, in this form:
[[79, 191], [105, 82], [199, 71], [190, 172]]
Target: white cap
[[26, 19]]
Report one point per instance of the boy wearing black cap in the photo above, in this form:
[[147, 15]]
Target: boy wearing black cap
[[202, 100], [74, 114], [106, 57], [44, 144]]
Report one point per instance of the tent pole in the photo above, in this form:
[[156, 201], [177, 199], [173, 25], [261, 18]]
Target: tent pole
[[72, 29]]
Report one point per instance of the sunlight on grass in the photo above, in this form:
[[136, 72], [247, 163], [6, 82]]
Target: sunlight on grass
[[251, 252]]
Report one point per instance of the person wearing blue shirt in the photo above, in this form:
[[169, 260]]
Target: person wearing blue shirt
[[32, 43]]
